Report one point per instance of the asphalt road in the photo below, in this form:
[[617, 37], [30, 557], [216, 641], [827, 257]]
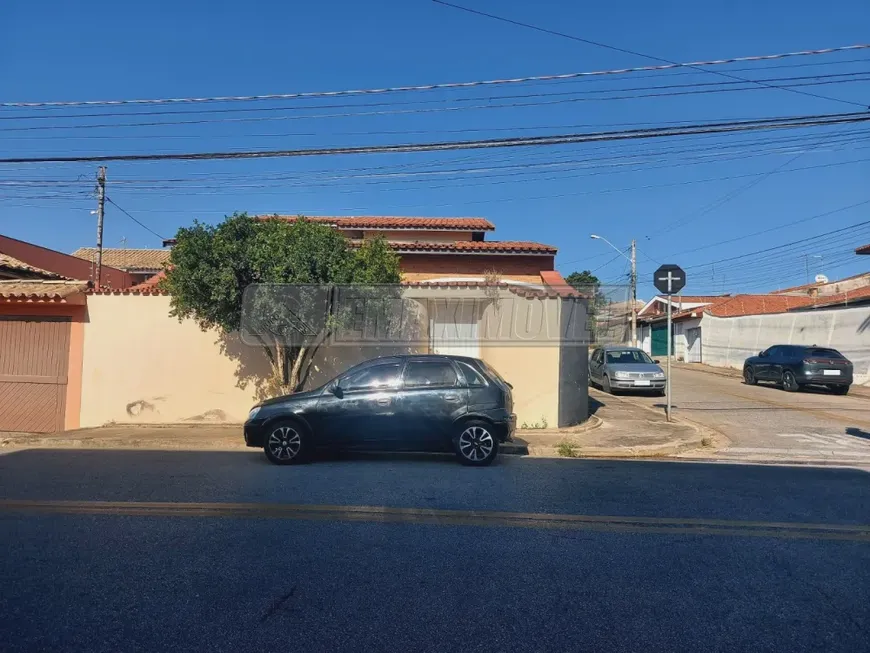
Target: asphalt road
[[220, 551], [765, 421]]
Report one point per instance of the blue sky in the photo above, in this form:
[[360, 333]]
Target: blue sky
[[559, 195]]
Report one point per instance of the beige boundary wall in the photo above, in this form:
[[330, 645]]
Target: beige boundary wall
[[142, 366]]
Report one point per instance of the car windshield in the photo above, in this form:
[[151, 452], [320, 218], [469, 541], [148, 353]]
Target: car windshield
[[628, 357]]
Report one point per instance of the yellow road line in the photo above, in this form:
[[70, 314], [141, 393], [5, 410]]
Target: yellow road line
[[383, 514], [851, 421]]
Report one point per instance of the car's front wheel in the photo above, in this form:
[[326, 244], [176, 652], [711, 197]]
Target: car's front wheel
[[286, 443], [749, 376], [840, 389], [476, 444]]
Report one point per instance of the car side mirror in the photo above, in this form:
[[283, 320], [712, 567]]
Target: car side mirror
[[337, 391], [656, 361], [762, 354]]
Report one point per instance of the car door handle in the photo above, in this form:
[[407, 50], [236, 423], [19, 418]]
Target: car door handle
[[383, 401], [451, 398]]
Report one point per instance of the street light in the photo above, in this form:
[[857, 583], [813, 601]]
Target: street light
[[633, 261]]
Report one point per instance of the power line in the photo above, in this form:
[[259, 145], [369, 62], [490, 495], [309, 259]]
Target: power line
[[122, 210], [820, 79], [770, 249], [430, 87], [782, 226], [728, 127], [415, 111], [635, 53]]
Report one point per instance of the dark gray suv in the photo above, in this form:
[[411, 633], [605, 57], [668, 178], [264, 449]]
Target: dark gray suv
[[397, 403]]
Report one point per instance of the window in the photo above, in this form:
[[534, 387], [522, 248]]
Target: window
[[820, 352], [473, 378], [628, 357], [430, 374], [376, 377]]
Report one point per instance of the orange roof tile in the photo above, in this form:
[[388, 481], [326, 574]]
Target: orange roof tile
[[394, 222], [843, 298], [475, 246], [756, 305], [40, 289], [11, 263], [126, 259]]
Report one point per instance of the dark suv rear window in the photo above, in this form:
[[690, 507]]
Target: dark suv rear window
[[817, 352]]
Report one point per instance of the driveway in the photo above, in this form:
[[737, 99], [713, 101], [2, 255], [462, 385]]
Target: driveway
[[220, 551], [766, 422]]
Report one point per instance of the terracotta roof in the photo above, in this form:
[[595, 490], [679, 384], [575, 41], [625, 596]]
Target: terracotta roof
[[150, 284], [473, 246], [11, 263], [864, 249], [39, 289], [395, 222], [841, 299], [127, 259], [756, 305]]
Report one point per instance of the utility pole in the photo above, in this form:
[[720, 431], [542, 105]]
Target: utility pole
[[101, 205], [634, 293]]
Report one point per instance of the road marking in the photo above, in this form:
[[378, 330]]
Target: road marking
[[844, 442], [383, 514], [818, 453]]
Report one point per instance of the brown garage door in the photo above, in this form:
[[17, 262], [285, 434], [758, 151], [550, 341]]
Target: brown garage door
[[34, 353]]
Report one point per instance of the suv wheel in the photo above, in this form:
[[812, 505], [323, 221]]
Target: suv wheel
[[749, 376], [789, 383], [840, 389], [286, 443], [476, 445]]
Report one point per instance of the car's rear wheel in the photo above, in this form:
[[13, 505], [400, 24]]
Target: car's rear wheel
[[789, 382], [286, 443], [749, 376], [840, 389], [476, 444]]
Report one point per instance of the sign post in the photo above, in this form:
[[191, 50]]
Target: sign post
[[669, 280]]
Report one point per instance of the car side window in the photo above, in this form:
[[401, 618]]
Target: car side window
[[596, 356], [376, 377], [430, 374], [473, 378], [772, 351]]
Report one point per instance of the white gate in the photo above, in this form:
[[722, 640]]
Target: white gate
[[693, 345], [453, 327]]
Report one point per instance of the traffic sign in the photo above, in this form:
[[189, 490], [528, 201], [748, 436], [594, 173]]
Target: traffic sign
[[669, 279]]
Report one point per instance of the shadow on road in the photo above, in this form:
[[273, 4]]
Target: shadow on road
[[858, 433]]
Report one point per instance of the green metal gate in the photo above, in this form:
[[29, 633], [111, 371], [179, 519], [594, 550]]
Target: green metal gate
[[659, 346]]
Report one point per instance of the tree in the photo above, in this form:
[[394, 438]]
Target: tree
[[583, 281], [588, 285], [211, 266]]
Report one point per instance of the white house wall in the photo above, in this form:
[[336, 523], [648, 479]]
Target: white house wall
[[728, 341]]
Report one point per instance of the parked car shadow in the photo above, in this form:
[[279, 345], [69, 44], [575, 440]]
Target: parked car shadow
[[858, 433]]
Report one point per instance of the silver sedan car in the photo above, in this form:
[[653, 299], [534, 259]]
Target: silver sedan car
[[625, 368]]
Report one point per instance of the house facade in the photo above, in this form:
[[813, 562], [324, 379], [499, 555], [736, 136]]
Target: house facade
[[42, 316], [128, 361]]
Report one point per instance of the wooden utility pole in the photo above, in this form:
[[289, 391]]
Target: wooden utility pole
[[101, 205], [634, 293]]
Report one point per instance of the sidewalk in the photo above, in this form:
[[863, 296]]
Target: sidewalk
[[859, 391], [618, 428]]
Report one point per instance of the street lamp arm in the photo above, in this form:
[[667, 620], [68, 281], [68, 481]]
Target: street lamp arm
[[612, 245]]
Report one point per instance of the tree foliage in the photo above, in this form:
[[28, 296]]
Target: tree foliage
[[211, 266]]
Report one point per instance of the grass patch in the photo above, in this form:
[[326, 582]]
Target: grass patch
[[567, 450]]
